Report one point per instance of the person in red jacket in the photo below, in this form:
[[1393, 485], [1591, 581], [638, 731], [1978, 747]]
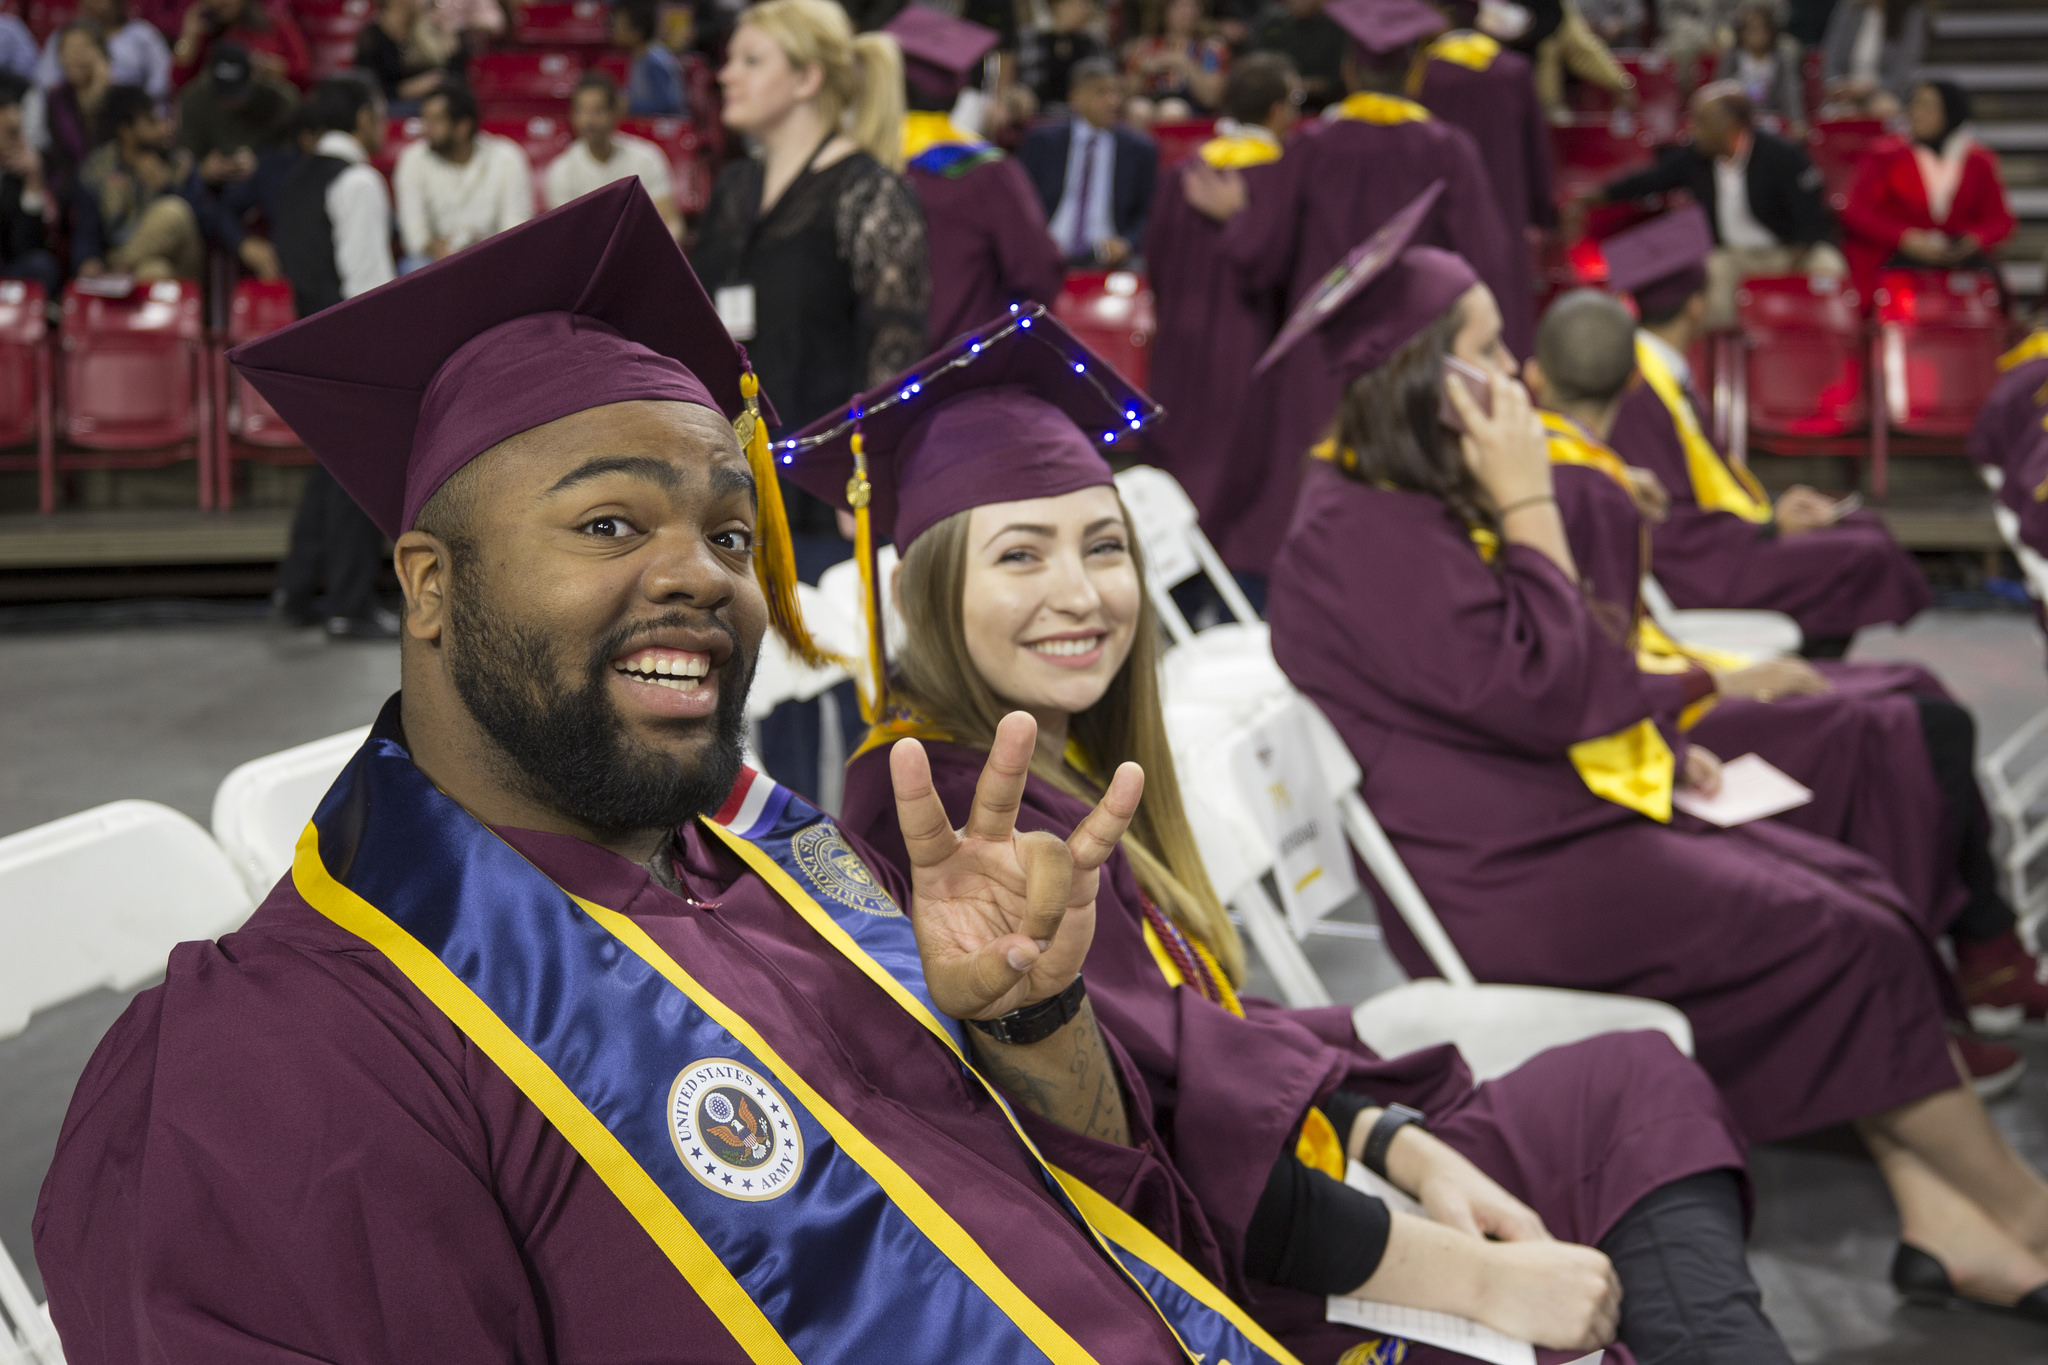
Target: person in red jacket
[[266, 30], [1932, 199]]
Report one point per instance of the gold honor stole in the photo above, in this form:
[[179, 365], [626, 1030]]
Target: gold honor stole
[[1238, 150], [1716, 485], [934, 145], [805, 1238], [1473, 51], [1367, 107]]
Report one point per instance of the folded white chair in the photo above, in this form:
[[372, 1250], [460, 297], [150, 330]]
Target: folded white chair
[[27, 1336], [1761, 634], [2015, 774], [780, 676], [261, 808], [1170, 536], [100, 898]]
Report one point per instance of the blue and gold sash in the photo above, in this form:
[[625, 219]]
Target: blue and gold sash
[[932, 143], [728, 1157]]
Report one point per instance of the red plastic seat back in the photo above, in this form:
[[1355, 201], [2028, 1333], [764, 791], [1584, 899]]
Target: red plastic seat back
[[257, 309], [131, 366], [689, 160], [582, 23], [543, 137], [1590, 152], [1805, 357], [1837, 147], [1179, 141], [1660, 103], [399, 134], [23, 326], [45, 17], [1939, 336], [319, 19], [519, 84], [1113, 312]]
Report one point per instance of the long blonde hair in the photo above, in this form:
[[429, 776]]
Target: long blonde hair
[[936, 677], [862, 93]]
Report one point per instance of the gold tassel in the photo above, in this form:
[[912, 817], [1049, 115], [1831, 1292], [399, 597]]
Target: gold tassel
[[859, 493], [775, 556]]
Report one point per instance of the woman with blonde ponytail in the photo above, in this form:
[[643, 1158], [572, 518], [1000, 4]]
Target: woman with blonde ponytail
[[813, 249]]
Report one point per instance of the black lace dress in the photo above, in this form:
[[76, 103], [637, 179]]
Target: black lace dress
[[841, 286]]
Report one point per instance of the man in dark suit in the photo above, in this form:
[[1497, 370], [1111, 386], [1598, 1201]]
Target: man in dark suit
[[1765, 199], [1094, 177]]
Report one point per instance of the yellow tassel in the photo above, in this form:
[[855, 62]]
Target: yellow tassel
[[859, 493], [774, 555]]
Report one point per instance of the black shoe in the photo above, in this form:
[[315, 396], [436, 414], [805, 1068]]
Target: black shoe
[[378, 625], [1923, 1280]]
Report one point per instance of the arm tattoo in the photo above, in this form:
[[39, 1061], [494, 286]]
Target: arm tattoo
[[1067, 1079]]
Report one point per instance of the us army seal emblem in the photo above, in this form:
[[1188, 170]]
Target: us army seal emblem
[[733, 1131]]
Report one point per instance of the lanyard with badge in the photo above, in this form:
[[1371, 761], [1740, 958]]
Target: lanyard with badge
[[735, 302]]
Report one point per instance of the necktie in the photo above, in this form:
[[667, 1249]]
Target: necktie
[[1077, 239]]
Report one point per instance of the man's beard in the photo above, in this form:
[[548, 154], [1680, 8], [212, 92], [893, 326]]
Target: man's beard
[[568, 746]]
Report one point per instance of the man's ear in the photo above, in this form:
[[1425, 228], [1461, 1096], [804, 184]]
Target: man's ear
[[424, 565], [1532, 379]]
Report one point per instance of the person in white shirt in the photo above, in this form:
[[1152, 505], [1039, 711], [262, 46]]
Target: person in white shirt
[[459, 184], [602, 154]]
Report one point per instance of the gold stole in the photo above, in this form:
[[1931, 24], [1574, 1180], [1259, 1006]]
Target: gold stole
[[1238, 151], [1473, 51], [1716, 486], [924, 129], [2033, 348], [1367, 107]]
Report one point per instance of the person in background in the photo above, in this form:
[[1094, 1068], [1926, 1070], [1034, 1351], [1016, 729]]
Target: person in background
[[1572, 47], [1932, 199], [136, 49], [140, 207], [1312, 43], [410, 52], [230, 120], [1690, 32], [984, 228], [1871, 54], [654, 80], [475, 22], [24, 202], [333, 228], [271, 37], [71, 110], [1617, 23], [458, 184], [1046, 57], [1180, 67], [1767, 64], [1724, 542], [1763, 197], [1094, 176], [815, 253], [601, 153]]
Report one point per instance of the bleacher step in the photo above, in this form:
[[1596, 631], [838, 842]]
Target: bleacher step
[[2028, 203], [1991, 24], [2028, 135], [1991, 75]]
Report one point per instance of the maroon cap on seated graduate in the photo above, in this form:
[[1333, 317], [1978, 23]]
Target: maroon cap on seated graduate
[[1662, 262], [1386, 26], [396, 389], [1379, 298], [939, 51], [1018, 408]]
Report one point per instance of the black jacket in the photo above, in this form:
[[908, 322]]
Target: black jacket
[[1043, 156], [1786, 193]]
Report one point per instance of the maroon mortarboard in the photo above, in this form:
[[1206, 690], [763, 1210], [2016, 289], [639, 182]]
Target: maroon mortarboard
[[1379, 297], [396, 389], [939, 51], [1386, 26], [1661, 262]]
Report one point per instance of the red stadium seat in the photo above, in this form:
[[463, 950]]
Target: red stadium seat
[[1800, 384], [1179, 141], [135, 386], [45, 17], [582, 23], [399, 134], [689, 159], [520, 84], [25, 386], [248, 422], [1934, 358], [319, 19], [331, 56], [1837, 147], [1591, 151], [1113, 312], [543, 137], [1660, 103]]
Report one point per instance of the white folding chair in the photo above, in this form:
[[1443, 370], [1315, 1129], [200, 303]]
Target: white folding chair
[[1170, 536], [2015, 774], [261, 808], [780, 676], [100, 898], [27, 1336], [1759, 634]]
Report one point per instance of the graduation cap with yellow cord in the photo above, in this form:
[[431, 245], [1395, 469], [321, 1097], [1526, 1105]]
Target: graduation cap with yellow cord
[[590, 304]]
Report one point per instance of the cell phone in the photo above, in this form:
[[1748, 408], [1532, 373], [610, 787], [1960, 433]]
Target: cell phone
[[1478, 386]]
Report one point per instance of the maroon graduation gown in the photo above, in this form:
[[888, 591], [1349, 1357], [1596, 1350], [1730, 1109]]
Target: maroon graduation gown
[[1459, 687], [1580, 1133], [1498, 106], [1833, 581], [1859, 747], [2012, 416], [285, 1153], [1213, 326], [1339, 183], [985, 231]]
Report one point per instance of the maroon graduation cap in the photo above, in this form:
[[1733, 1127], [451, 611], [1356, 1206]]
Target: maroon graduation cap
[[1382, 27], [939, 51], [1661, 262]]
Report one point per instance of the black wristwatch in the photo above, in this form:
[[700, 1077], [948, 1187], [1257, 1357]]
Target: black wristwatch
[[1035, 1023], [1392, 1120]]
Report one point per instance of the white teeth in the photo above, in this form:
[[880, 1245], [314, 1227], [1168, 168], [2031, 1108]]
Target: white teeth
[[668, 667], [1067, 647], [661, 666]]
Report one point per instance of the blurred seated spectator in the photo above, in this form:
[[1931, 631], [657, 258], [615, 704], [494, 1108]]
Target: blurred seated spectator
[[70, 117], [654, 81], [1688, 31], [17, 47], [231, 114], [1764, 199], [1046, 57], [1931, 199], [135, 49], [1180, 66], [474, 22], [1618, 23], [601, 153], [141, 209], [24, 204], [457, 185], [1572, 46], [1312, 43], [1766, 62], [1094, 177], [271, 37], [409, 53], [1870, 55]]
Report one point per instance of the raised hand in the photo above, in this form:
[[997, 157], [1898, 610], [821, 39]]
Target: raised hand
[[1002, 919]]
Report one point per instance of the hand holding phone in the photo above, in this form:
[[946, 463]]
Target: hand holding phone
[[1478, 386]]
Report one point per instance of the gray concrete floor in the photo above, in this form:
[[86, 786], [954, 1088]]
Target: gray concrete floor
[[165, 712]]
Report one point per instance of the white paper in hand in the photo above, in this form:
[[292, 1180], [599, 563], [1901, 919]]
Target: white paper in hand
[[1751, 789]]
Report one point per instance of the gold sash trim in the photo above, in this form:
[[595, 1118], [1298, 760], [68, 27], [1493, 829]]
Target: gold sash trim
[[1238, 151], [1367, 107], [1716, 485]]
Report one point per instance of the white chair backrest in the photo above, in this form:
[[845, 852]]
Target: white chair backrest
[[32, 1340], [1163, 518], [780, 676], [100, 898], [262, 807], [840, 585]]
